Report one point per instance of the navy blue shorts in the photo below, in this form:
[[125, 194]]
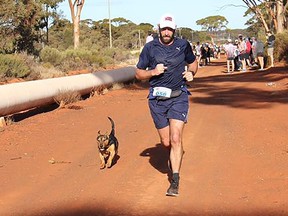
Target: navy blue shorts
[[173, 108]]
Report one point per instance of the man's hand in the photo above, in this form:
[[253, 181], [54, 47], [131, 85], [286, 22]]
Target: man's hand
[[160, 68], [188, 75]]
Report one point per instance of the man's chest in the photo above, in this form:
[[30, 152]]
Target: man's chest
[[168, 56]]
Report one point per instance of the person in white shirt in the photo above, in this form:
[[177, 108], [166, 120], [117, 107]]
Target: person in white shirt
[[230, 55], [242, 49], [149, 37], [198, 52]]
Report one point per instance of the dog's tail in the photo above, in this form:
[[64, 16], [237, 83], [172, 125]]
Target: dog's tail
[[113, 127]]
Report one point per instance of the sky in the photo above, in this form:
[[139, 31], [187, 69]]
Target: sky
[[186, 12]]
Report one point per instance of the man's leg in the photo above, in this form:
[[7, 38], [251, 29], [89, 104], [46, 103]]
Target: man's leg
[[243, 65], [176, 131], [165, 141], [173, 136], [228, 66], [176, 153], [270, 54], [261, 60], [164, 136], [272, 59]]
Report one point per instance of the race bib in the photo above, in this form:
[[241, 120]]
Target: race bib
[[162, 92]]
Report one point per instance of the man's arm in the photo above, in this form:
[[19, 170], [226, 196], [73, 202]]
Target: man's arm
[[193, 67], [191, 71], [147, 74]]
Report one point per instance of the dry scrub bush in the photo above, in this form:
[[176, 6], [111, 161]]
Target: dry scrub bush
[[66, 98], [117, 86], [13, 66], [44, 72], [103, 89], [281, 46], [9, 120], [99, 90]]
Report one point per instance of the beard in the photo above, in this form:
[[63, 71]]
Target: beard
[[166, 39]]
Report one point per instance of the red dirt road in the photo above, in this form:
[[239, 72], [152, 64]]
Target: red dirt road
[[235, 162]]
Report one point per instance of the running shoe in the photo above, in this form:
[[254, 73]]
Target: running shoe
[[173, 189]]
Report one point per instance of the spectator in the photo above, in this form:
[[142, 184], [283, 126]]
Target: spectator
[[198, 52], [270, 47], [237, 62], [243, 55], [230, 55], [260, 53], [204, 55], [149, 37], [209, 53], [248, 51], [254, 53]]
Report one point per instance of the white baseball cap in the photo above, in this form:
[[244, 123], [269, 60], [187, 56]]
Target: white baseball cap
[[167, 20]]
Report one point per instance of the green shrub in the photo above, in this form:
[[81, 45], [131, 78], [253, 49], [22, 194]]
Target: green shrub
[[51, 55], [281, 46], [115, 53], [81, 59], [101, 61], [12, 65], [78, 55], [75, 59]]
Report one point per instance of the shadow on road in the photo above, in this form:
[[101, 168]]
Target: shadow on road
[[230, 90], [159, 156]]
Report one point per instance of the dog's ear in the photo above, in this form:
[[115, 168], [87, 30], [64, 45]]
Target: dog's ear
[[99, 132]]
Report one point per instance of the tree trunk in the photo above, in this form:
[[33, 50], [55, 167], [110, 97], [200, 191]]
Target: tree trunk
[[76, 25], [280, 16], [78, 5], [261, 17], [271, 8]]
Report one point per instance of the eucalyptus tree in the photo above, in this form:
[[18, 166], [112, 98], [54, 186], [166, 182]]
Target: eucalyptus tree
[[23, 24], [213, 23], [19, 23], [50, 14], [61, 34], [7, 26], [76, 7], [270, 10]]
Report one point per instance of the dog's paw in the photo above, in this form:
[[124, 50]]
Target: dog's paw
[[102, 166]]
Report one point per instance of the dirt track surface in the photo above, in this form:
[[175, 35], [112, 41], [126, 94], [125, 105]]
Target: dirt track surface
[[235, 162]]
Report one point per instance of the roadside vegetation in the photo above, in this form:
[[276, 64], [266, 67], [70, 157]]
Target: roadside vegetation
[[37, 43]]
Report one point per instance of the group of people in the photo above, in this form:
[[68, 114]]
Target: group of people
[[251, 52], [204, 52]]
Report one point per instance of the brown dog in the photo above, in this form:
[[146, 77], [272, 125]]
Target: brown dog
[[108, 147]]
